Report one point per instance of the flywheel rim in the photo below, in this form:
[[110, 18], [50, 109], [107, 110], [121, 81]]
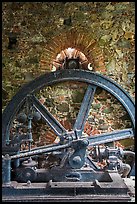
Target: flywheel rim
[[61, 76]]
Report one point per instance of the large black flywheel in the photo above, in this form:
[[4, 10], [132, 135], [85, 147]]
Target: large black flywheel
[[94, 80]]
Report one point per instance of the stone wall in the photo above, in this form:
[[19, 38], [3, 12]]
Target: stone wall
[[112, 24]]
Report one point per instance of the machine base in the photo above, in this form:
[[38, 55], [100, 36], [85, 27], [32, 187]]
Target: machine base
[[113, 191]]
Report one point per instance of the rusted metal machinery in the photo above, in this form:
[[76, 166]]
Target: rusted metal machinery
[[72, 172]]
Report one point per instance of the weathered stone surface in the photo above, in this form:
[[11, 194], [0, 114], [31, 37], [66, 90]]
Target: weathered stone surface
[[96, 106], [103, 127], [77, 97], [111, 66], [124, 43], [63, 107]]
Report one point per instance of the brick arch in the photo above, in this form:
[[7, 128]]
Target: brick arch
[[81, 41]]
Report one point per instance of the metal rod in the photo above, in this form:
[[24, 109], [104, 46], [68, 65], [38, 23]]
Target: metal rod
[[35, 152], [6, 170], [110, 137]]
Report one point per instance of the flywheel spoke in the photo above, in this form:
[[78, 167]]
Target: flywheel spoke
[[84, 110], [110, 136], [48, 117]]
